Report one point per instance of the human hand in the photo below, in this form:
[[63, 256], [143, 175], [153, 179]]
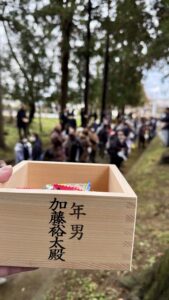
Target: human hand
[[5, 174], [6, 271]]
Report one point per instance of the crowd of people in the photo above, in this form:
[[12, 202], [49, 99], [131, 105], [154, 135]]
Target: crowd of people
[[91, 142]]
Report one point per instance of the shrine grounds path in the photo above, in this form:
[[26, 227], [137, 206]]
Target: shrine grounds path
[[149, 179]]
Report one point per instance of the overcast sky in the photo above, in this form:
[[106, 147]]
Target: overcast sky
[[156, 83]]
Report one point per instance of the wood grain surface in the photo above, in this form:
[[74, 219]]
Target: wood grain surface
[[108, 220]]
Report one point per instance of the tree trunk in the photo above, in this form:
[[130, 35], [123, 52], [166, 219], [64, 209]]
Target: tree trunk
[[87, 58], [32, 111], [64, 72], [66, 29], [2, 139], [121, 110], [105, 77], [156, 281], [40, 119], [106, 68]]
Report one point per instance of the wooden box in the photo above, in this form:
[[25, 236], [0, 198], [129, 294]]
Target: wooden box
[[67, 229]]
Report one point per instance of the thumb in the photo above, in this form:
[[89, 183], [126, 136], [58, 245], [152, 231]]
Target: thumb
[[5, 173]]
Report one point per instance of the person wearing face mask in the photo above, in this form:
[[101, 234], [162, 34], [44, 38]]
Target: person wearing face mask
[[23, 150], [118, 150], [73, 146], [36, 146], [56, 151]]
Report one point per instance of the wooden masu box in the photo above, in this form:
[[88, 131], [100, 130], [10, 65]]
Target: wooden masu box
[[67, 229]]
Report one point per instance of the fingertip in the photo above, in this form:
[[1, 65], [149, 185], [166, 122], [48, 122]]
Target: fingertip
[[5, 173]]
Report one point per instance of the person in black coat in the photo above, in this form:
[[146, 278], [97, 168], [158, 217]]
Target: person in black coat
[[103, 138], [36, 146], [118, 149], [22, 122], [73, 147], [64, 119], [165, 120]]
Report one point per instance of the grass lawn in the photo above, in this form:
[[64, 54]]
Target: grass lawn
[[11, 136], [149, 179]]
